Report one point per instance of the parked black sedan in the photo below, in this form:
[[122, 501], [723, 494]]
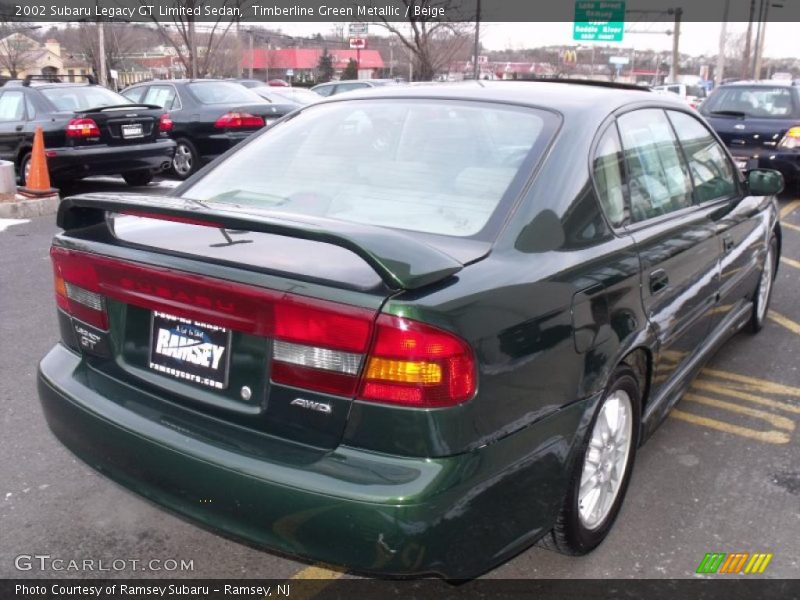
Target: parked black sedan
[[88, 130], [414, 330], [208, 116], [759, 121]]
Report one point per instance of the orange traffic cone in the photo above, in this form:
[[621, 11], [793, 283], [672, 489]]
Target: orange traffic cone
[[37, 182]]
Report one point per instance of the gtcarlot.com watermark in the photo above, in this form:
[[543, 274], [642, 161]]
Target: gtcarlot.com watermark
[[46, 562]]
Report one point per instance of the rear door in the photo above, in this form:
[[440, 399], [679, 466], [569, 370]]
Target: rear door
[[676, 240], [12, 123]]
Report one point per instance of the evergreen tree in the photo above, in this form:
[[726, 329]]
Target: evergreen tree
[[325, 67], [351, 71]]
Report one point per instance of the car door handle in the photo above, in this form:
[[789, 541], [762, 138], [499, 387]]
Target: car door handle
[[19, 127], [659, 280], [727, 243]]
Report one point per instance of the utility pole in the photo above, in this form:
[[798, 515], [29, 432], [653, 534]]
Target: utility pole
[[476, 50], [391, 58], [760, 37], [676, 35], [101, 53], [749, 36], [192, 51], [252, 58], [720, 70]]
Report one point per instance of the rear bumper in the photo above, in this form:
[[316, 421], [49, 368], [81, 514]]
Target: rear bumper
[[68, 163], [456, 516], [217, 144]]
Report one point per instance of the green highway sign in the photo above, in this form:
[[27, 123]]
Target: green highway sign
[[599, 21]]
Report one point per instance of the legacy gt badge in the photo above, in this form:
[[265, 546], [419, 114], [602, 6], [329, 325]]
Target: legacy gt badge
[[312, 405]]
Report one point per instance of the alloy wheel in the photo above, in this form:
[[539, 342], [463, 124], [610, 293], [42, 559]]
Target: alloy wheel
[[606, 460]]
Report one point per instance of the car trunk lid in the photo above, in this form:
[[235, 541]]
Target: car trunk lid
[[224, 322], [126, 124]]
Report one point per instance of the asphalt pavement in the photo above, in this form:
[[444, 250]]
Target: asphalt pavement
[[722, 474]]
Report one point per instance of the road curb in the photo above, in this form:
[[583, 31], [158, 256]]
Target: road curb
[[24, 208]]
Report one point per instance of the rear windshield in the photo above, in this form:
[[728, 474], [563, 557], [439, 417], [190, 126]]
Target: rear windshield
[[752, 101], [223, 92], [83, 98], [441, 167]]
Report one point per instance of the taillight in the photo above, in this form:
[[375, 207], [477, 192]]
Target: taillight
[[415, 364], [77, 288], [236, 120], [165, 123], [82, 128], [791, 140], [316, 344]]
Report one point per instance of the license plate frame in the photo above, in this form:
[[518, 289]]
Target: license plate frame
[[132, 130], [182, 361]]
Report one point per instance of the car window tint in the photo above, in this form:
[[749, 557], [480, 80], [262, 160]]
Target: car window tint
[[324, 90], [754, 101], [346, 87], [31, 109], [432, 166], [160, 95], [711, 171], [135, 94], [83, 97], [658, 180], [12, 106], [608, 176], [223, 92]]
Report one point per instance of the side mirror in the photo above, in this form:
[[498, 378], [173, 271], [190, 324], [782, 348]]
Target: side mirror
[[764, 182]]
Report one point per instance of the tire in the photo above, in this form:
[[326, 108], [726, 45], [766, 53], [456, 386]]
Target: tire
[[184, 163], [138, 178], [763, 291], [583, 524], [24, 165]]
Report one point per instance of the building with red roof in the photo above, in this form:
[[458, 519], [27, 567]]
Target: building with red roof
[[300, 64]]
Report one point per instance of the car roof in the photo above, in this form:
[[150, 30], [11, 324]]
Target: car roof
[[763, 83], [565, 97]]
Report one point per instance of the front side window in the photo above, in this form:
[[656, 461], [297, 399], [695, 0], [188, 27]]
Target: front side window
[[441, 167], [12, 106], [161, 95], [711, 171], [608, 176], [658, 179]]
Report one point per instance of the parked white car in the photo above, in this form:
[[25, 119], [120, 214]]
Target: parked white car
[[692, 94]]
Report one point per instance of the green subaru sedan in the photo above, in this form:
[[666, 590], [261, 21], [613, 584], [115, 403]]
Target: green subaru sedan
[[411, 331]]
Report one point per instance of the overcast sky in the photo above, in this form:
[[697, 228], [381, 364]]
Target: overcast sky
[[696, 38]]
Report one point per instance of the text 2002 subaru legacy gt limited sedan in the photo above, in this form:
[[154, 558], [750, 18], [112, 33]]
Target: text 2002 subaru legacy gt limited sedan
[[412, 331]]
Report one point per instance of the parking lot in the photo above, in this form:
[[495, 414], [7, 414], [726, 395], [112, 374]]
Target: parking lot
[[720, 475]]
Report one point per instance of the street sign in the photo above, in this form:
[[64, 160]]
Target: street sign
[[358, 43], [357, 29], [290, 72], [619, 60], [599, 21]]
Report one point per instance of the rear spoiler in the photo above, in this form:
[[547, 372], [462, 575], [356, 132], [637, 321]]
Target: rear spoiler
[[400, 260]]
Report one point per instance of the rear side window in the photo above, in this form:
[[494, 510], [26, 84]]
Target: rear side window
[[324, 90], [442, 167], [711, 171], [223, 92], [753, 101], [12, 106], [659, 181], [608, 176], [135, 94]]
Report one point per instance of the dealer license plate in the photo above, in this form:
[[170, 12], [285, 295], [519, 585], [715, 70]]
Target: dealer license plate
[[190, 350]]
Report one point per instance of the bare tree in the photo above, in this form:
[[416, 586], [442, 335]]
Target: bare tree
[[432, 43], [16, 48], [197, 45]]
